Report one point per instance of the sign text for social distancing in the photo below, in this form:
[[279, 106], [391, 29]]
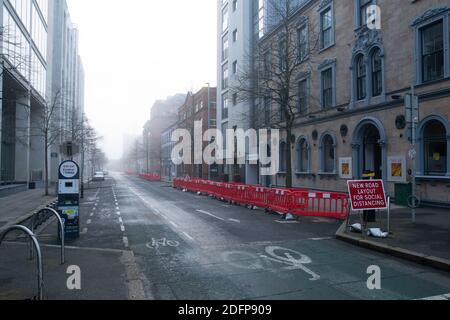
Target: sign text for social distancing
[[367, 195]]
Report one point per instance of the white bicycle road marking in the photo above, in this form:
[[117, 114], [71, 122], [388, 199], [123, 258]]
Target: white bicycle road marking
[[164, 242], [293, 260]]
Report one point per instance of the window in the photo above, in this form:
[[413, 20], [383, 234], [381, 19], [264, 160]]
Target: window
[[225, 76], [267, 64], [234, 67], [326, 28], [432, 51], [363, 7], [225, 47], [282, 47], [328, 154], [235, 35], [235, 99], [327, 88], [377, 73], [303, 156], [234, 5], [435, 149], [303, 43], [267, 110], [303, 96], [224, 107], [283, 158], [361, 78], [225, 19]]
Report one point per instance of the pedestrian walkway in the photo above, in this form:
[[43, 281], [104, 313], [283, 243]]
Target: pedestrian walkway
[[104, 274], [428, 237], [15, 208]]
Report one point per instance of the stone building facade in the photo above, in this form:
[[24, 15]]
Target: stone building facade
[[355, 118]]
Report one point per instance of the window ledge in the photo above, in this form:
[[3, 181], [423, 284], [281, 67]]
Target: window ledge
[[328, 174], [428, 178], [422, 84], [282, 173], [326, 48], [304, 173]]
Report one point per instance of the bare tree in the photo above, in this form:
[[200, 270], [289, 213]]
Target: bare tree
[[135, 154], [270, 76], [48, 128], [14, 57]]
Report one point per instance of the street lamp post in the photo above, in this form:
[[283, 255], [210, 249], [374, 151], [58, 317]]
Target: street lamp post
[[412, 113], [209, 121]]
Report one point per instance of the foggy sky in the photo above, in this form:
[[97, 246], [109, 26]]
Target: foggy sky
[[137, 51]]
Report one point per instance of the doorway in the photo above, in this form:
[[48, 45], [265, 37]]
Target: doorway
[[372, 152], [370, 148]]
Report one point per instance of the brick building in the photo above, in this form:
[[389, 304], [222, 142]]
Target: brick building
[[200, 106], [163, 115]]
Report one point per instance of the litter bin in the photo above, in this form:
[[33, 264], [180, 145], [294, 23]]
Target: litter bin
[[402, 192]]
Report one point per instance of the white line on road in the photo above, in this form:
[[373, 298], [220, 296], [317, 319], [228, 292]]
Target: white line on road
[[85, 230], [210, 214], [188, 236], [173, 223], [444, 297], [321, 239], [89, 221], [122, 228], [92, 214], [125, 242], [118, 213], [286, 222], [234, 220], [120, 220]]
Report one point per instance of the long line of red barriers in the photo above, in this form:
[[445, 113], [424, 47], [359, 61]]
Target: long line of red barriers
[[150, 177], [298, 202]]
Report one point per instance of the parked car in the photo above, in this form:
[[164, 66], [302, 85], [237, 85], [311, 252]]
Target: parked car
[[99, 176]]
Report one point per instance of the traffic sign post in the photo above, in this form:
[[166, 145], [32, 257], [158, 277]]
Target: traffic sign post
[[366, 196], [69, 198], [413, 117]]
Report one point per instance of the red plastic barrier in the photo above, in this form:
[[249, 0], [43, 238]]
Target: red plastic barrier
[[299, 202], [280, 200], [259, 197], [321, 204]]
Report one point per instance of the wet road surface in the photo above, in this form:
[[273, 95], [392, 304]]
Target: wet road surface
[[193, 247]]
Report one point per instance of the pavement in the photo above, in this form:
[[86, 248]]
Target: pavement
[[108, 271], [18, 207], [427, 241], [189, 247]]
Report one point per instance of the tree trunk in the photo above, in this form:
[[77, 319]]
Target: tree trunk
[[289, 177], [46, 168]]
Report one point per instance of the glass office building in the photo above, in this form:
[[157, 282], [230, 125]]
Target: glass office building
[[24, 40]]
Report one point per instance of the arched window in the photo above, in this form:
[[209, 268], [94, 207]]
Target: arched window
[[328, 154], [302, 156], [435, 148], [283, 162], [361, 77], [377, 73]]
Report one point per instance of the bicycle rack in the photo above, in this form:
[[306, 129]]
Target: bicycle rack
[[38, 250], [62, 232]]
